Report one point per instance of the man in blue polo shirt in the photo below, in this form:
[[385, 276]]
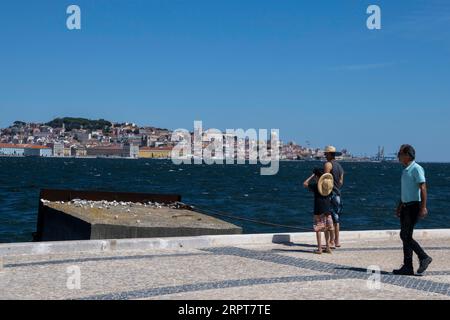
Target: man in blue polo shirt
[[413, 206]]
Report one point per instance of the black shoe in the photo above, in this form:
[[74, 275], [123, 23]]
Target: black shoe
[[404, 271], [424, 265]]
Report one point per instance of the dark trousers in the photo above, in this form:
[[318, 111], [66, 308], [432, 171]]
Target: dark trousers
[[408, 218]]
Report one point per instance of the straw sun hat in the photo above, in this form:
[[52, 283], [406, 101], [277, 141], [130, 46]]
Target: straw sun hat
[[332, 149], [325, 184]]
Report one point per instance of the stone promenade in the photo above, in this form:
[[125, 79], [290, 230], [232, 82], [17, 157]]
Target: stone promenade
[[223, 267]]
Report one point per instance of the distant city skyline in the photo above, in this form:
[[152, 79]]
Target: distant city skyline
[[376, 155], [312, 70], [84, 138]]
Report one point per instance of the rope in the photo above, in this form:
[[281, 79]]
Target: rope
[[209, 211]]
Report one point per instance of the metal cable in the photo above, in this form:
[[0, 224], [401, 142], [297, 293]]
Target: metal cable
[[209, 211]]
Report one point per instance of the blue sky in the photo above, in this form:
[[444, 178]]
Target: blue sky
[[310, 68]]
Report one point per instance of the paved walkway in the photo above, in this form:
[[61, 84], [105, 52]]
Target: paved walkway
[[272, 271]]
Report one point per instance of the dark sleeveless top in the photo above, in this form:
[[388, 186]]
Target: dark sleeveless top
[[337, 172]]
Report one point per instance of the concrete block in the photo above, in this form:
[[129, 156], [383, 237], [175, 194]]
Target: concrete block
[[66, 221]]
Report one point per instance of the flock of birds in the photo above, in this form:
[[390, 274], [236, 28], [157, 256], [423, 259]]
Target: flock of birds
[[122, 206]]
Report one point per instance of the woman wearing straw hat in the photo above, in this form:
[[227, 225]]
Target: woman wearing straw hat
[[322, 206], [335, 169]]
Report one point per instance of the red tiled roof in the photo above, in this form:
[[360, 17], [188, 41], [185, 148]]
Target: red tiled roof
[[33, 146], [156, 149], [10, 145], [22, 146]]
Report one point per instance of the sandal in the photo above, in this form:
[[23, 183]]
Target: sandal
[[328, 251], [317, 252]]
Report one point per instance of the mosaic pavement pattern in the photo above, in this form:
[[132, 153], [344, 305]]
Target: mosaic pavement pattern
[[276, 271]]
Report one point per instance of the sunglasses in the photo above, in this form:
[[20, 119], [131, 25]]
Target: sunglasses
[[402, 154]]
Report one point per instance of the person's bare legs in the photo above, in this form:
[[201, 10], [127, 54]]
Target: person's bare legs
[[319, 242], [332, 244], [332, 238], [327, 239], [317, 221], [337, 243]]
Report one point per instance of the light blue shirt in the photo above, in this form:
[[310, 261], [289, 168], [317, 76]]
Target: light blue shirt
[[412, 177]]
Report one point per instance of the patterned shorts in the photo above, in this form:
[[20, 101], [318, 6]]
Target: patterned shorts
[[323, 222]]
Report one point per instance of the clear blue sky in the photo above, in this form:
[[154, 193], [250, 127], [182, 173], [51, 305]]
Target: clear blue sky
[[310, 68]]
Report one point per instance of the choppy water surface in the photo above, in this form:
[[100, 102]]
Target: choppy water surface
[[370, 194]]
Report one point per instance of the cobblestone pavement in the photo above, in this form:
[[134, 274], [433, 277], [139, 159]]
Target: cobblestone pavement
[[273, 271]]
